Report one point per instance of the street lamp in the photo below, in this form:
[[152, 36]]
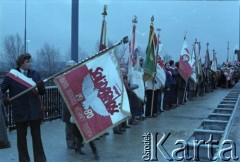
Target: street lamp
[[27, 41], [25, 29]]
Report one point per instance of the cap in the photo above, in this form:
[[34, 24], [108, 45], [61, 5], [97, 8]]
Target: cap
[[123, 70], [70, 63]]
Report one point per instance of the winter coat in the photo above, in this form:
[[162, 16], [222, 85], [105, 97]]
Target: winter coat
[[28, 106]]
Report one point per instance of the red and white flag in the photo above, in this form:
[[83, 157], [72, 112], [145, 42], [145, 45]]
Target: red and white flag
[[21, 78], [214, 62], [161, 75], [185, 68], [135, 75], [95, 95]]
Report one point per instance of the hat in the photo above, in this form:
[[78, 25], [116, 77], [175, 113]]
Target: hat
[[70, 63], [123, 70]]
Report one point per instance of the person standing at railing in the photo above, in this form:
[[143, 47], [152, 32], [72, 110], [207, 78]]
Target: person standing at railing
[[4, 142], [26, 109], [71, 144]]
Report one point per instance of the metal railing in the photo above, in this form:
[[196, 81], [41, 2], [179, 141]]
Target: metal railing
[[52, 102]]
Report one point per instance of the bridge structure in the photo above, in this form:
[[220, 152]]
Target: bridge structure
[[215, 113]]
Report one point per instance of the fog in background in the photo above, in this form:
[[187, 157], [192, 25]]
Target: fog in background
[[216, 22]]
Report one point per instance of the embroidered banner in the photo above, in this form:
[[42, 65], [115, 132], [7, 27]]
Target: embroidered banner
[[95, 96]]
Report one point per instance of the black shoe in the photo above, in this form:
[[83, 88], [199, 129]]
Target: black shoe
[[127, 126], [134, 122], [117, 132], [96, 156], [79, 151], [71, 146], [122, 129], [4, 145]]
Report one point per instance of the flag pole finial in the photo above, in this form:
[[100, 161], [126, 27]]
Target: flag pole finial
[[214, 52], [135, 19], [152, 19], [185, 35], [196, 40], [104, 11]]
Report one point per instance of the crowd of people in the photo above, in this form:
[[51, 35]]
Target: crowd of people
[[28, 111], [176, 91]]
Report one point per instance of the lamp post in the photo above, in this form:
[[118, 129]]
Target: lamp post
[[27, 41], [25, 29]]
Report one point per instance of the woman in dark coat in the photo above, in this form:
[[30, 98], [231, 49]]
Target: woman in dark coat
[[4, 142]]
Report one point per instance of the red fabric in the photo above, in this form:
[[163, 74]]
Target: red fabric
[[70, 85]]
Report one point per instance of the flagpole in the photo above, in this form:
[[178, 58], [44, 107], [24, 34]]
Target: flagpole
[[102, 52], [161, 90], [131, 51], [185, 89], [25, 28], [103, 29], [153, 80], [194, 64], [228, 52]]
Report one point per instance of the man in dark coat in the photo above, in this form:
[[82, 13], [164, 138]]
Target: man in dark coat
[[4, 142], [27, 109]]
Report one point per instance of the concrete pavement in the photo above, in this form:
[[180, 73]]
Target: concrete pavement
[[180, 122]]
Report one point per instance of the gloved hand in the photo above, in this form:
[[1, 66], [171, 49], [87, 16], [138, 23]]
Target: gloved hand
[[41, 87], [133, 86], [6, 102]]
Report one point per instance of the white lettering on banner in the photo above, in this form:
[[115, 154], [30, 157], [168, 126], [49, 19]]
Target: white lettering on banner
[[71, 97], [64, 82], [87, 129], [79, 114], [105, 93], [89, 113], [79, 97]]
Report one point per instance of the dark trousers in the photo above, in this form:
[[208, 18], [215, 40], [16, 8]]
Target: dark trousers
[[167, 99], [79, 140], [39, 155], [149, 107], [69, 134], [4, 142], [174, 94]]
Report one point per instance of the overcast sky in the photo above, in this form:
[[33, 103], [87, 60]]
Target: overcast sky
[[50, 21]]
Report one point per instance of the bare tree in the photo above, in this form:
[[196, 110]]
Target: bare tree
[[12, 47], [81, 54], [97, 45], [48, 58]]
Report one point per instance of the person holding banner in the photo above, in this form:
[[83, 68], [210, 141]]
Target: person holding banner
[[66, 118], [26, 109], [79, 141], [4, 142]]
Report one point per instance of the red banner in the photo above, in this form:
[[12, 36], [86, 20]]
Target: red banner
[[185, 68], [94, 95]]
